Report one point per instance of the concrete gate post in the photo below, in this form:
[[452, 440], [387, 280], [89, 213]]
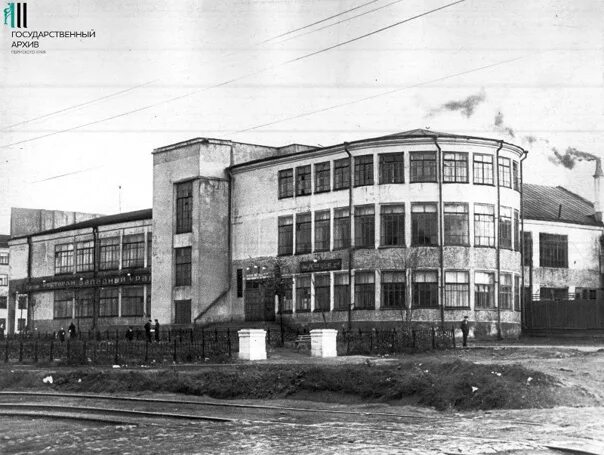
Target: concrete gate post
[[323, 343], [252, 344]]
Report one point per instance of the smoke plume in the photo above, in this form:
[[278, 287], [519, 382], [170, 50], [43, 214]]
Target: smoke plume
[[500, 126], [570, 157], [466, 106]]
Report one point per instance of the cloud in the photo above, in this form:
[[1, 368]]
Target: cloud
[[467, 106]]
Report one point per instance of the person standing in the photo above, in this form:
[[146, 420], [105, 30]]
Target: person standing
[[465, 329], [157, 330], [129, 334], [62, 335], [1, 331], [72, 330], [148, 331]]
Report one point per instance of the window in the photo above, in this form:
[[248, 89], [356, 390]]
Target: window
[[322, 229], [516, 293], [423, 166], [3, 302], [364, 227], [393, 225], [455, 167], [322, 177], [484, 290], [286, 183], [22, 302], [133, 301], [149, 248], [505, 291], [288, 301], [457, 290], [553, 250], [516, 230], [84, 303], [183, 266], [303, 180], [182, 311], [553, 293], [393, 290], [424, 225], [239, 283], [3, 258], [341, 174], [108, 302], [364, 290], [322, 293], [3, 280], [341, 228], [392, 168], [515, 175], [483, 169], [21, 322], [148, 302], [286, 235], [133, 251], [303, 231], [303, 294], [527, 248], [583, 294], [64, 258], [505, 178], [505, 228], [457, 224], [363, 170], [109, 252], [484, 225], [425, 289], [63, 305], [184, 207], [85, 256], [341, 291]]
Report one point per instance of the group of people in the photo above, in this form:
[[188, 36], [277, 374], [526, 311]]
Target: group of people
[[151, 330], [73, 333]]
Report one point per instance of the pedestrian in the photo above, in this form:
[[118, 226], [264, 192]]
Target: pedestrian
[[72, 330], [1, 331], [62, 335], [148, 330], [465, 329], [129, 333], [157, 330]]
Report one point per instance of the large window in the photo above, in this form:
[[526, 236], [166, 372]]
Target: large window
[[22, 302], [516, 293], [392, 168], [133, 301], [424, 225], [286, 183], [64, 258], [505, 291], [483, 169], [109, 252], [133, 251], [182, 259], [341, 174], [303, 233], [425, 289], [516, 230], [341, 228], [527, 248], [322, 229], [85, 256], [484, 225], [303, 294], [84, 303], [484, 290], [455, 167], [341, 291], [303, 182], [392, 225], [3, 280], [553, 250], [457, 289], [515, 175], [423, 166], [288, 301], [546, 293], [3, 258], [363, 170], [286, 235], [149, 248], [322, 292], [505, 228], [109, 302], [184, 207], [364, 290], [457, 224], [364, 226], [322, 177], [393, 290], [63, 305], [505, 172]]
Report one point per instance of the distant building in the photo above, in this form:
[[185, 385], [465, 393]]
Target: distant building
[[25, 221], [4, 258]]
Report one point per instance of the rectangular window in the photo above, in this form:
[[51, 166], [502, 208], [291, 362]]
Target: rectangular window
[[516, 230], [505, 228], [516, 293], [286, 235], [3, 280], [288, 301], [184, 207], [392, 168], [393, 290], [341, 291], [484, 290], [423, 166], [63, 305], [133, 301], [303, 294], [341, 228], [484, 225], [586, 294], [22, 302], [303, 182], [286, 183], [3, 302], [364, 291], [553, 250], [109, 252], [303, 232], [108, 302], [505, 177], [483, 169], [341, 174], [148, 302], [84, 303], [64, 258], [457, 290], [21, 322], [149, 248], [322, 177], [3, 258], [322, 230], [553, 294], [239, 283], [455, 167], [364, 226], [182, 258], [505, 291], [133, 251], [527, 248], [322, 293], [363, 170], [516, 175], [85, 256], [182, 311], [425, 289], [457, 224], [424, 225], [392, 225]]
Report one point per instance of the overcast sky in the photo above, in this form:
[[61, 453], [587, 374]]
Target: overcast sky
[[82, 119]]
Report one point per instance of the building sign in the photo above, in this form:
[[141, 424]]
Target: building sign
[[52, 282], [321, 266]]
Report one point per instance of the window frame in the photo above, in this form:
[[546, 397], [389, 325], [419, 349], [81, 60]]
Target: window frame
[[84, 255], [480, 169], [392, 225], [391, 168], [285, 235], [303, 286], [504, 172], [341, 225], [506, 295], [109, 250], [341, 291], [133, 251], [450, 218], [364, 291], [423, 161], [183, 266], [481, 219], [417, 216], [64, 258], [424, 289], [363, 170], [558, 258], [303, 180], [183, 207], [482, 289], [285, 183], [505, 228], [322, 292], [322, 177], [133, 300], [341, 174], [456, 290], [393, 290], [322, 228], [364, 226], [303, 228], [66, 300], [452, 160]]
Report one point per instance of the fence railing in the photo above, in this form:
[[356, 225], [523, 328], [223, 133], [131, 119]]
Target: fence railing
[[564, 315]]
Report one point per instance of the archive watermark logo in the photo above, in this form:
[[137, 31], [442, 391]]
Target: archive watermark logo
[[15, 15]]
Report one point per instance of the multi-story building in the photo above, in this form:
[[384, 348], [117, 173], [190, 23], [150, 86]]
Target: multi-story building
[[4, 257]]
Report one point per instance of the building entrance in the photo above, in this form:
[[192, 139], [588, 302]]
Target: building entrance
[[259, 301]]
